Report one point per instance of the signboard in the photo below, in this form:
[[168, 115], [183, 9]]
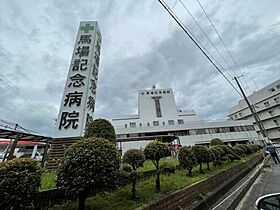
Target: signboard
[[78, 102]]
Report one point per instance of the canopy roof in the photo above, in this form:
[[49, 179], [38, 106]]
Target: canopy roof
[[11, 134]]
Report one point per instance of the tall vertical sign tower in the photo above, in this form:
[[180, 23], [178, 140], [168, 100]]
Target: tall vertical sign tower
[[78, 102]]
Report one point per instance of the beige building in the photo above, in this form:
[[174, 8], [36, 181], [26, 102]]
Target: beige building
[[266, 102]]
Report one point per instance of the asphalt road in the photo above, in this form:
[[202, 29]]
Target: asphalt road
[[267, 182]]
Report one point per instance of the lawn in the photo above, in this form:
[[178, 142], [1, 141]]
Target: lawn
[[121, 198], [48, 180]]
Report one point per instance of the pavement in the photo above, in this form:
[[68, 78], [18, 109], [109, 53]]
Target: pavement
[[267, 182]]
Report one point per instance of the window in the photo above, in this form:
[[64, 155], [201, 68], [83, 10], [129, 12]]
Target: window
[[180, 122], [155, 123], [278, 87], [168, 91], [271, 112], [163, 123], [159, 92], [152, 92], [192, 132], [277, 100], [140, 124], [200, 131], [148, 93], [271, 90], [276, 122], [164, 92], [148, 124], [125, 125], [240, 114], [155, 92], [266, 104], [142, 93], [132, 125], [170, 122]]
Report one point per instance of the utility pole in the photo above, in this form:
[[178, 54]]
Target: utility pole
[[253, 111]]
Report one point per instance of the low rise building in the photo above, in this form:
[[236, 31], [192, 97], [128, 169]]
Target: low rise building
[[159, 118], [266, 103]]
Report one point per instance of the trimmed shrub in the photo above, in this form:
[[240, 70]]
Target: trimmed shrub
[[154, 151], [216, 141], [20, 180], [101, 128], [126, 167], [217, 155], [244, 148], [230, 155], [201, 154], [88, 163], [238, 151], [135, 158], [167, 168], [187, 159]]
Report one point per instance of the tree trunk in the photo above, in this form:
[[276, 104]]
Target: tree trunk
[[190, 172], [208, 167], [82, 198], [158, 178], [200, 167], [133, 190]]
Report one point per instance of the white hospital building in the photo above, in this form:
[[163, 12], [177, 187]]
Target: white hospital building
[[159, 118]]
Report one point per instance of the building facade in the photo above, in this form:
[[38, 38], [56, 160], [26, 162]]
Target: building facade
[[266, 103], [159, 118]]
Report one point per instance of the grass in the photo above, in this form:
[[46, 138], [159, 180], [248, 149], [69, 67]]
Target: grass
[[145, 191], [148, 165], [48, 180]]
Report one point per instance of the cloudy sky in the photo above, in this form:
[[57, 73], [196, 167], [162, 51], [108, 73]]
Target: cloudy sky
[[142, 46]]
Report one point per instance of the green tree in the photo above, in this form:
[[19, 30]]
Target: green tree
[[20, 180], [136, 159], [216, 141], [101, 128], [217, 155], [154, 151], [88, 163], [201, 154], [187, 159]]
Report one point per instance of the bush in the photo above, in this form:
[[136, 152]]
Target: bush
[[154, 151], [216, 155], [230, 155], [244, 148], [88, 163], [216, 141], [126, 167], [238, 151], [201, 154], [167, 168], [20, 180], [136, 159], [187, 159], [101, 128]]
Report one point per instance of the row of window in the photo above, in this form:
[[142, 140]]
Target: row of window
[[155, 123], [266, 104], [156, 92], [197, 131], [273, 89]]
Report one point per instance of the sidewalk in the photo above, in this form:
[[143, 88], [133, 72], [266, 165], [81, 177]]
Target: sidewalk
[[267, 182]]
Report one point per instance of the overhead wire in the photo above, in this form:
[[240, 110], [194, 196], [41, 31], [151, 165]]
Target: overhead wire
[[200, 47], [204, 33], [223, 43], [23, 96]]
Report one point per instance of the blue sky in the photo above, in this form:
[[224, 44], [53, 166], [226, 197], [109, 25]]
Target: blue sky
[[142, 46]]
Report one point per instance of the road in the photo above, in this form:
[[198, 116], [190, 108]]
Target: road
[[267, 182]]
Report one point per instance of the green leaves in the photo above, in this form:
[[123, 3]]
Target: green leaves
[[89, 162], [134, 157], [20, 180], [156, 150], [101, 128]]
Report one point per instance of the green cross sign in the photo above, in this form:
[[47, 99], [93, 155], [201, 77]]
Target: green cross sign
[[87, 28]]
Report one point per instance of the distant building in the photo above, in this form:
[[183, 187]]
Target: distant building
[[266, 102], [159, 118]]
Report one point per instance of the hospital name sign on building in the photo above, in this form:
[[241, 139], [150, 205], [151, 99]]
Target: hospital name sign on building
[[78, 102]]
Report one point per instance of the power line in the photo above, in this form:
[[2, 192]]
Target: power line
[[201, 29], [182, 26], [222, 41], [23, 96]]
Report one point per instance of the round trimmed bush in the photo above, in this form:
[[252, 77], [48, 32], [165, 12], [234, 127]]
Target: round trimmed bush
[[154, 151], [201, 154], [101, 128], [216, 141], [187, 159], [88, 163], [20, 180]]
